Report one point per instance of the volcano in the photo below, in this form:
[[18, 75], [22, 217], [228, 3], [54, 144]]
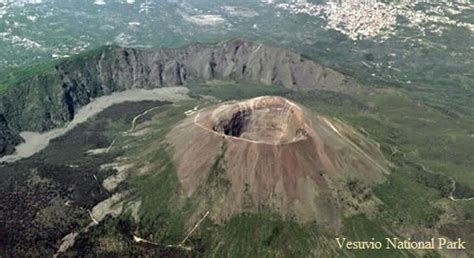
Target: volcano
[[270, 154]]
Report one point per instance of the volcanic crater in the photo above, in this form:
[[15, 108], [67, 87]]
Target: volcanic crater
[[270, 120], [272, 154]]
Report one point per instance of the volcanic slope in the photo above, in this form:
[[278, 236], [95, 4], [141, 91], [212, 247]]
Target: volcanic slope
[[268, 153]]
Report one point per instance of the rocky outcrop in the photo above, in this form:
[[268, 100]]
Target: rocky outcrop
[[50, 99], [8, 137]]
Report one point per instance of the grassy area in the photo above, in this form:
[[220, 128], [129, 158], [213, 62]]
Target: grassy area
[[267, 235], [15, 77], [231, 90], [437, 140], [160, 215], [360, 228], [402, 196]]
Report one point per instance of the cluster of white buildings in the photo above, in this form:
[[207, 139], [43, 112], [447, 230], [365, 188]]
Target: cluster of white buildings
[[372, 18], [104, 2]]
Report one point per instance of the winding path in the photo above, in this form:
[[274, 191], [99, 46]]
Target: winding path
[[451, 194]]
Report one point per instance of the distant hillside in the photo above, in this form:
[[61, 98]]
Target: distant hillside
[[42, 101]]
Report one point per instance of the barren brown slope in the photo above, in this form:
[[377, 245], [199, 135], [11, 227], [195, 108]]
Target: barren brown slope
[[268, 153]]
